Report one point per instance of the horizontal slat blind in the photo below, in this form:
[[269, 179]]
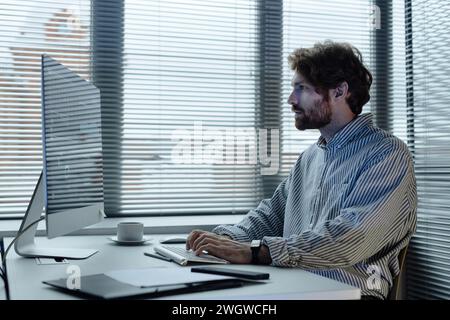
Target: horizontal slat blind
[[428, 44], [397, 61], [304, 23], [188, 85], [28, 29]]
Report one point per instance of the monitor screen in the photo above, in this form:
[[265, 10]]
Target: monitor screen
[[72, 141]]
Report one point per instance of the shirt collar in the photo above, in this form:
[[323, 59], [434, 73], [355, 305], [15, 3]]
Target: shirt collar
[[349, 132]]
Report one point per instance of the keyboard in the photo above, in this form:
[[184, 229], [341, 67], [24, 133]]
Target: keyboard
[[182, 256]]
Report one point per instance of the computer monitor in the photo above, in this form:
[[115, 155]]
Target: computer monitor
[[71, 184]]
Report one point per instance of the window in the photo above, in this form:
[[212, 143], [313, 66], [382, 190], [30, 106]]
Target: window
[[60, 29], [428, 67], [188, 122]]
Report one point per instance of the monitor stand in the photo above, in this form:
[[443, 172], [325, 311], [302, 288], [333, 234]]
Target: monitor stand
[[25, 245]]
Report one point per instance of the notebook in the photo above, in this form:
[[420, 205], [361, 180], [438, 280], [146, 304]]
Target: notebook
[[183, 257]]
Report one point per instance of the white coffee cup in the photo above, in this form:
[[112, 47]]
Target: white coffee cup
[[130, 231]]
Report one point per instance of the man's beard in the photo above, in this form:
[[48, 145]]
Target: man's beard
[[314, 118]]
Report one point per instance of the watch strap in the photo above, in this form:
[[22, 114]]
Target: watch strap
[[255, 247]]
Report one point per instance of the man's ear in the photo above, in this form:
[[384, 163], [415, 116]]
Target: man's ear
[[341, 90]]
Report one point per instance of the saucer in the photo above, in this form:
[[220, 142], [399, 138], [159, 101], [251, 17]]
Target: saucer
[[129, 243]]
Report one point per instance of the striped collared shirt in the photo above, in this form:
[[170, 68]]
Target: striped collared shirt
[[345, 211]]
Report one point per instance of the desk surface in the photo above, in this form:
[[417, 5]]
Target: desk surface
[[25, 276]]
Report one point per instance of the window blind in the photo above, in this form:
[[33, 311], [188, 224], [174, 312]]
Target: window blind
[[60, 29], [304, 23], [397, 61], [189, 123], [428, 67]]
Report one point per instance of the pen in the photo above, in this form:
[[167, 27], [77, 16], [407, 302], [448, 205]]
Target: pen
[[157, 256]]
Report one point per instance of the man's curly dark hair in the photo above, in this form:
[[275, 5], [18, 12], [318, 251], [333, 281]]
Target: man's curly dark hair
[[328, 64]]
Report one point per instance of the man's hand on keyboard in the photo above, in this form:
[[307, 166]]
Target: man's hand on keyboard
[[219, 246]]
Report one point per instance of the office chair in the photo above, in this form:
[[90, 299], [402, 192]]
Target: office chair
[[394, 294]]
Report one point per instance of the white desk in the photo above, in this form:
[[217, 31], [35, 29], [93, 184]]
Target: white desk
[[25, 276]]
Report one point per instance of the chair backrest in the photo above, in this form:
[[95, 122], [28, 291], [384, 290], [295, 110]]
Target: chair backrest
[[394, 294]]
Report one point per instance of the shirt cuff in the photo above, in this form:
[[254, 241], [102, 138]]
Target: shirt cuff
[[279, 253]]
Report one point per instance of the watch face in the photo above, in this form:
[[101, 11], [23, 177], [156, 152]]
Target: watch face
[[255, 243]]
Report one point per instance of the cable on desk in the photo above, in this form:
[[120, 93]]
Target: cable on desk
[[3, 273]]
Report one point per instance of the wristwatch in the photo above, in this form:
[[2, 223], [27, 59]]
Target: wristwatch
[[255, 246]]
